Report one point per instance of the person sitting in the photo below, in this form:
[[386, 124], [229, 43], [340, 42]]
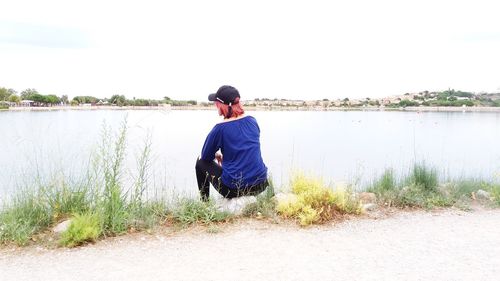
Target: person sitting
[[238, 170]]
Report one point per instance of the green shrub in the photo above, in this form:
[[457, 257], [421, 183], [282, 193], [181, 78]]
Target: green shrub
[[83, 228]]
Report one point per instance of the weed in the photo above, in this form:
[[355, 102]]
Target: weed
[[315, 202], [83, 228], [213, 229]]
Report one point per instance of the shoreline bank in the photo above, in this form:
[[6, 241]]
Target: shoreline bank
[[252, 108]]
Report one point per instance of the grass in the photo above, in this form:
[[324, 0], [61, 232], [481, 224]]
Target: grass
[[423, 177], [421, 188], [101, 193], [265, 207], [27, 214], [190, 211], [494, 190]]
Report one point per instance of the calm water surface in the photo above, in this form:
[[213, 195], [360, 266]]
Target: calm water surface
[[340, 146]]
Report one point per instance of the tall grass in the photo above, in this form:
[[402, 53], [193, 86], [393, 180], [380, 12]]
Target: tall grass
[[100, 193], [25, 215], [495, 193], [421, 188], [424, 177]]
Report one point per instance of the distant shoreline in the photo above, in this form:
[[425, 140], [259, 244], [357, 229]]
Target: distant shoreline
[[266, 108]]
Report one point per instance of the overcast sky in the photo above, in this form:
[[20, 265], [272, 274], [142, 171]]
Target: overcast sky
[[284, 49]]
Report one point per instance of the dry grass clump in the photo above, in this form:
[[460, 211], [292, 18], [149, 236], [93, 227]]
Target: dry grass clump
[[315, 202]]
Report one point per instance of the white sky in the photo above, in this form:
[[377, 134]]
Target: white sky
[[284, 49]]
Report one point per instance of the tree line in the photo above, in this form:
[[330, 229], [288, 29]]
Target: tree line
[[11, 96]]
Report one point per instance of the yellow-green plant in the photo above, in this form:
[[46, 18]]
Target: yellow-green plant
[[83, 228], [315, 202]]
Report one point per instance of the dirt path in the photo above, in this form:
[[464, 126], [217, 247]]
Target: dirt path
[[449, 245]]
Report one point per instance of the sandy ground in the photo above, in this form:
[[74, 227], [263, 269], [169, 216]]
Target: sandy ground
[[448, 245]]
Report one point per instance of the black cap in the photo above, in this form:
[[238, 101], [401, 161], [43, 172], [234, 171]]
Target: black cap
[[225, 94]]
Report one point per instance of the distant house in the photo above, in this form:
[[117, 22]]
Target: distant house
[[100, 102], [27, 103], [8, 103]]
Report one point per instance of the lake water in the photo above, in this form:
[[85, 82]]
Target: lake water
[[343, 146]]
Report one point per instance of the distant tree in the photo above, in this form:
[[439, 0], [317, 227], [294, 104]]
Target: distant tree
[[36, 97], [64, 99], [52, 99], [14, 98], [27, 93], [4, 94], [119, 100], [84, 99], [405, 103]]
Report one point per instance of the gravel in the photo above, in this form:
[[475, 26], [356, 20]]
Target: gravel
[[447, 245]]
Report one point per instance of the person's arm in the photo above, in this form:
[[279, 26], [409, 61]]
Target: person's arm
[[212, 145]]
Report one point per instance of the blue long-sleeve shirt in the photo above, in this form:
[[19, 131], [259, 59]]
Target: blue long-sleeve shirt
[[239, 143]]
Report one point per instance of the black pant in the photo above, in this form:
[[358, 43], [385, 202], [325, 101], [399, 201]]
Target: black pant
[[210, 172]]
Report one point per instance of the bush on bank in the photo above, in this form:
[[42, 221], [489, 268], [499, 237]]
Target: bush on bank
[[314, 202]]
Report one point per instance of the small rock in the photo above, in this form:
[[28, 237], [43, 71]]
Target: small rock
[[235, 205], [61, 227], [483, 195], [369, 207], [367, 197]]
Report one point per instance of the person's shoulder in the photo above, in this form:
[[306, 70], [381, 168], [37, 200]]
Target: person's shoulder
[[251, 118]]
